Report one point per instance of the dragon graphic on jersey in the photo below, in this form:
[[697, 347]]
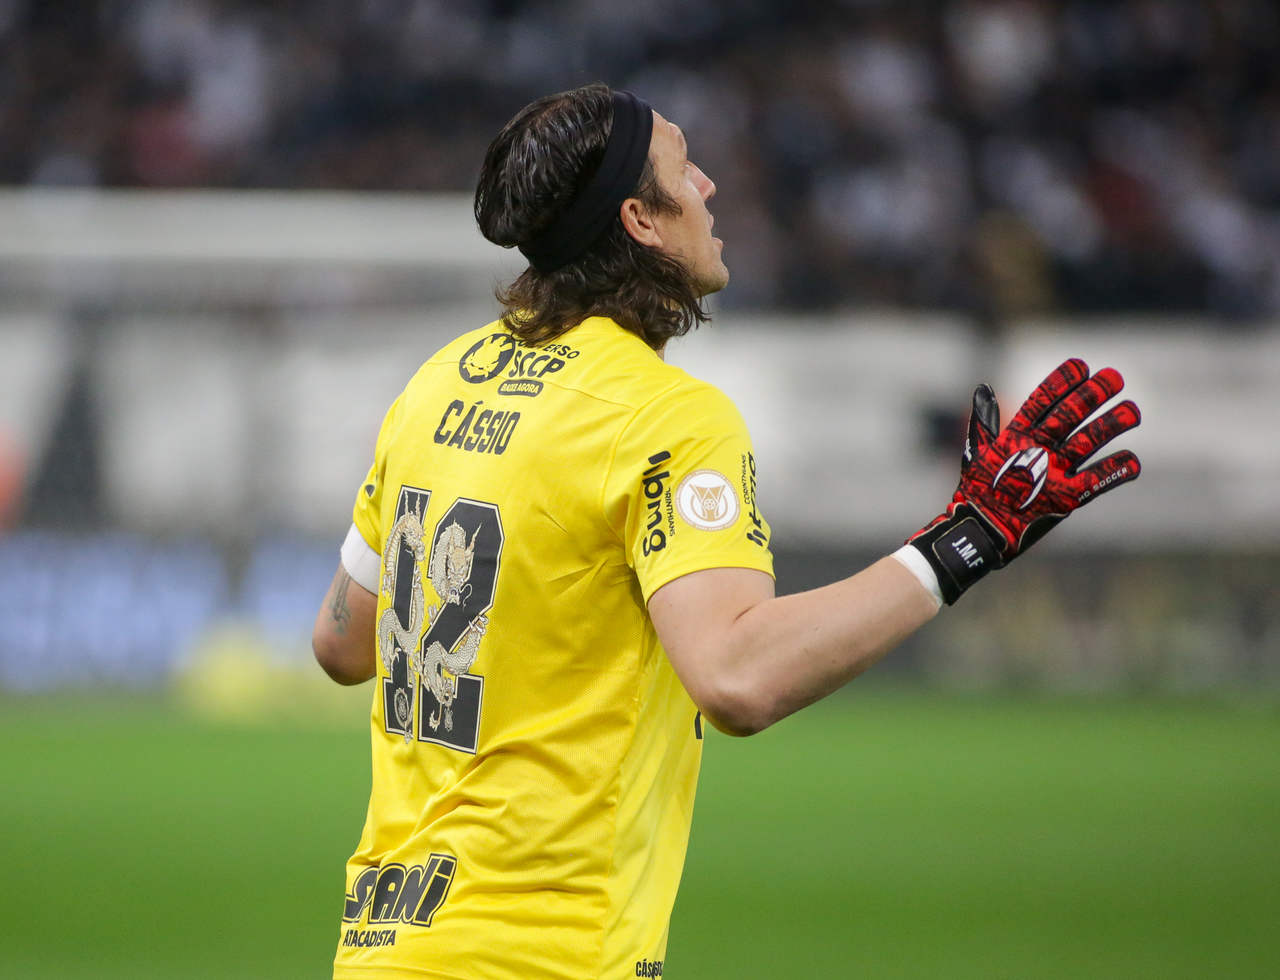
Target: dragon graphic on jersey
[[438, 668], [407, 531]]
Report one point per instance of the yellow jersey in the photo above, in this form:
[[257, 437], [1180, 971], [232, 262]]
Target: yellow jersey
[[535, 756]]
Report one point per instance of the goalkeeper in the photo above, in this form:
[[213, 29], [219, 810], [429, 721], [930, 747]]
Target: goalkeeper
[[557, 568]]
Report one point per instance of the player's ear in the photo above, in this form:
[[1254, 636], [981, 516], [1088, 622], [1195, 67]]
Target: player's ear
[[638, 222]]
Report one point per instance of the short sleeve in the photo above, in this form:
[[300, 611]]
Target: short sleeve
[[366, 514], [682, 487]]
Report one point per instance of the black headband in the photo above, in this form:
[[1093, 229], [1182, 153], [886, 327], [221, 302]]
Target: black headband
[[587, 216]]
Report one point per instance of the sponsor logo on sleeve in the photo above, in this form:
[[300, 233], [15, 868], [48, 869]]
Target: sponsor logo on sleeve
[[705, 499], [657, 500], [756, 532]]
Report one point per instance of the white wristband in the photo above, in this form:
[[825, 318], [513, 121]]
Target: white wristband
[[915, 563], [360, 561]]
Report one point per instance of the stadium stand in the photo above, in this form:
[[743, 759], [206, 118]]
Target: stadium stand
[[986, 156]]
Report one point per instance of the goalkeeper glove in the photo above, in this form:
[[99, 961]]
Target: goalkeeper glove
[[1017, 484]]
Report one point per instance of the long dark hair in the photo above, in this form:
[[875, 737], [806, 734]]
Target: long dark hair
[[538, 163]]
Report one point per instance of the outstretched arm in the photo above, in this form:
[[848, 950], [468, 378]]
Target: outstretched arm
[[342, 637], [748, 658]]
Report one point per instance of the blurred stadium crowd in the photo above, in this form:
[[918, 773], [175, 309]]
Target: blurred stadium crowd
[[998, 157]]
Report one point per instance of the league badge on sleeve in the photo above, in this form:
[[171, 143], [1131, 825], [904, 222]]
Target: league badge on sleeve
[[706, 500]]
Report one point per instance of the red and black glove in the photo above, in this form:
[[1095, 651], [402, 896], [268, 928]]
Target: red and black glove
[[1017, 484]]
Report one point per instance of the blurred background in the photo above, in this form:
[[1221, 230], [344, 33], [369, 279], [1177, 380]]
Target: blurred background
[[229, 233]]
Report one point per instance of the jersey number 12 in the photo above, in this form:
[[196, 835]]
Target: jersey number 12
[[428, 648]]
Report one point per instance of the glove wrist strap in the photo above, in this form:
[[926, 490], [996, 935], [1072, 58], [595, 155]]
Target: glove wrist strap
[[960, 551]]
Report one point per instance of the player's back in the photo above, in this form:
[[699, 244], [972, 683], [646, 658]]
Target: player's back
[[535, 757]]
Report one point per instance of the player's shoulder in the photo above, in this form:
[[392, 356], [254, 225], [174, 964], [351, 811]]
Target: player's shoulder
[[474, 356], [597, 358], [476, 351], [626, 368]]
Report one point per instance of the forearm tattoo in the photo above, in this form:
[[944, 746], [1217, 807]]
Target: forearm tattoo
[[338, 608]]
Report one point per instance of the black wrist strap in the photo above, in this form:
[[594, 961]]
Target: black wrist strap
[[960, 550]]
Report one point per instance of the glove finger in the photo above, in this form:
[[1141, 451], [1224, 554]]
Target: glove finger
[[1080, 403], [1101, 431], [1105, 475], [1066, 376], [984, 423]]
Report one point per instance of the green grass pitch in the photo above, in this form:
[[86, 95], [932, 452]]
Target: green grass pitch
[[881, 834]]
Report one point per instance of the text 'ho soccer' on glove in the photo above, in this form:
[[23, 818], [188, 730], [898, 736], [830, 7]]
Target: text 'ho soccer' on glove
[[1017, 484]]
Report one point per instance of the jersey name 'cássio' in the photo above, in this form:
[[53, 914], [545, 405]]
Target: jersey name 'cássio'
[[534, 755]]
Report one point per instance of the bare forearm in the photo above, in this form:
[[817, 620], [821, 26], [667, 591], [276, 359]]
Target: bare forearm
[[787, 652], [343, 634]]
